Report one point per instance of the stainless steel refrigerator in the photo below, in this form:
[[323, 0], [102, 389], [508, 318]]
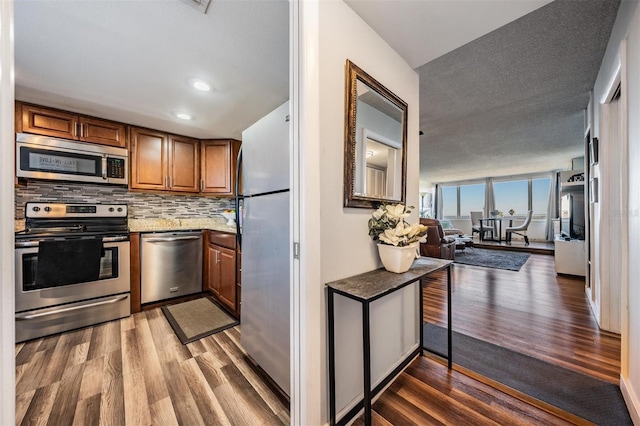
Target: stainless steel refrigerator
[[265, 244]]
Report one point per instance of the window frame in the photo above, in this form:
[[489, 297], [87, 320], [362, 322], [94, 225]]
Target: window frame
[[528, 177]]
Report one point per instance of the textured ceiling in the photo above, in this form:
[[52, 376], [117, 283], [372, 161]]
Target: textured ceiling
[[513, 100]]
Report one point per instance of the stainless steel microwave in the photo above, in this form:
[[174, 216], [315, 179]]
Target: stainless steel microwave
[[43, 157]]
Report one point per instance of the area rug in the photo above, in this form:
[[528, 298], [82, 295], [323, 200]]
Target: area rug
[[498, 259], [197, 318], [587, 397]]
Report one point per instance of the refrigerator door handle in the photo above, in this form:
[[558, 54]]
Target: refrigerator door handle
[[237, 198]]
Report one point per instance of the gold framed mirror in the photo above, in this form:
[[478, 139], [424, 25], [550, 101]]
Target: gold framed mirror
[[375, 147]]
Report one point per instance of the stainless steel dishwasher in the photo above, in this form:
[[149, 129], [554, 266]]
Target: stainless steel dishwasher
[[170, 265]]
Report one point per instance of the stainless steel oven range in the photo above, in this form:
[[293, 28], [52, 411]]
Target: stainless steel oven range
[[72, 267]]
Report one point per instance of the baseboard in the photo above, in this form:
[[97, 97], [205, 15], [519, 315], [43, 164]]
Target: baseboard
[[632, 399], [595, 310]]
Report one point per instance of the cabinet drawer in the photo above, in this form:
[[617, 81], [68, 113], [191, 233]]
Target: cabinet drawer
[[223, 239]]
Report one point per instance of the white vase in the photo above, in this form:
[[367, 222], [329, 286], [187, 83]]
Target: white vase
[[398, 259]]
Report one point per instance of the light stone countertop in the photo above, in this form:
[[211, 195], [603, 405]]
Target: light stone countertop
[[164, 224]]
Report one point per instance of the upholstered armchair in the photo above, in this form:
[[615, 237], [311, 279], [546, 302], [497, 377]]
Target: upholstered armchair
[[448, 228], [437, 245]]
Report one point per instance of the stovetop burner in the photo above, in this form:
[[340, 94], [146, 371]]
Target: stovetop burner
[[57, 220]]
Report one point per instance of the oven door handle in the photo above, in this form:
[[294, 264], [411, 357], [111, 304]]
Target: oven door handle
[[30, 316], [169, 239], [27, 244]]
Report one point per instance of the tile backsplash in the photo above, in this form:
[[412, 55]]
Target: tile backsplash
[[141, 205]]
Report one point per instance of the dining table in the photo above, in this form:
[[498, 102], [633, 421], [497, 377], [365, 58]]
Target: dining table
[[495, 222]]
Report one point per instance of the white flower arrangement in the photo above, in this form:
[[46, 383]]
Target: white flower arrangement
[[387, 225]]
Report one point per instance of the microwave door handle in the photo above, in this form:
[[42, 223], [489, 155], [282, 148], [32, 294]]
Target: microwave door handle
[[104, 167]]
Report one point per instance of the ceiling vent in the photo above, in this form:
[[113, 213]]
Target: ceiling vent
[[200, 5]]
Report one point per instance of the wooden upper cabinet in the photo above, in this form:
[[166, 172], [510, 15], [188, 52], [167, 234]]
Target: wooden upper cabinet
[[149, 159], [67, 125], [163, 162], [218, 166], [103, 132], [184, 164], [49, 122]]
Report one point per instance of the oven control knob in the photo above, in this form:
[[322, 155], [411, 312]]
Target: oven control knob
[[36, 209], [110, 209], [47, 209], [120, 209]]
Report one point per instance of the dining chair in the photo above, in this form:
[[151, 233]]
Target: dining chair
[[520, 229], [478, 227]]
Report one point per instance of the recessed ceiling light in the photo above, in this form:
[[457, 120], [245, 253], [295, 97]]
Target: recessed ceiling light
[[183, 115], [200, 85]]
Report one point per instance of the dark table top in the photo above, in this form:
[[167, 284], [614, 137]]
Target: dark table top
[[373, 284]]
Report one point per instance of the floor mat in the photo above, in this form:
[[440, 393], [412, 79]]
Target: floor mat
[[197, 318], [587, 397], [499, 259]]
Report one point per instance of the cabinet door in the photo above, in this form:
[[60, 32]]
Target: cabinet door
[[103, 132], [227, 266], [213, 276], [218, 166], [149, 159], [184, 164], [49, 122]]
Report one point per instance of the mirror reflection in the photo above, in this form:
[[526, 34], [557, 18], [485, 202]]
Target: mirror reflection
[[375, 142]]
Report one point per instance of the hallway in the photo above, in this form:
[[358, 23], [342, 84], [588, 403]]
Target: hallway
[[532, 311]]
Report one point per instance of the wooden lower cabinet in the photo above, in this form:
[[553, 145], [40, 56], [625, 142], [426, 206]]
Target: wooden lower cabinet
[[220, 269], [222, 274]]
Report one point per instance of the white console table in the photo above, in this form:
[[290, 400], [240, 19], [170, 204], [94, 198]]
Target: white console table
[[570, 257]]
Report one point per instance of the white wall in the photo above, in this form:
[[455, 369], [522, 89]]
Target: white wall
[[332, 34], [7, 341], [627, 27]]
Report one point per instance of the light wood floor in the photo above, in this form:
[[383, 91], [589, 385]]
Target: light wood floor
[[532, 311], [136, 372]]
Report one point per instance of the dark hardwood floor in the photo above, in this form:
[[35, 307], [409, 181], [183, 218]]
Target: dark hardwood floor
[[532, 311]]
